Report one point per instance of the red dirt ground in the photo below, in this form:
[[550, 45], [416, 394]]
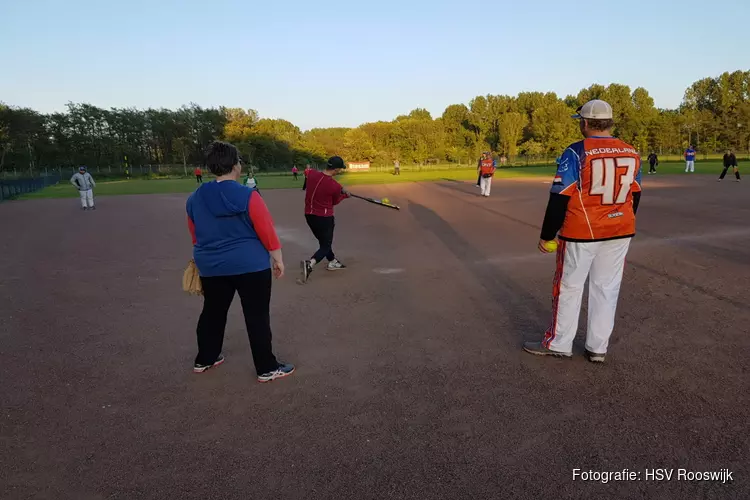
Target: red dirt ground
[[411, 382]]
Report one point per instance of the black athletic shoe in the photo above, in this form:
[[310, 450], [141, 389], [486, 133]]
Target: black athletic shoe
[[538, 349], [283, 370], [307, 269], [198, 368], [595, 357]]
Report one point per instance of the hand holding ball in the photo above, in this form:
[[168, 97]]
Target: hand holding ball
[[547, 246]]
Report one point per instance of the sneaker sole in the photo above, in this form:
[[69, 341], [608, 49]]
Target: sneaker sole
[[550, 353], [266, 380], [203, 369], [305, 274], [335, 268], [595, 359]]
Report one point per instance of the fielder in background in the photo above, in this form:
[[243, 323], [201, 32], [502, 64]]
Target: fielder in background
[[690, 159], [237, 251], [324, 194], [730, 160], [85, 184], [592, 205], [295, 172], [250, 181], [198, 175], [653, 161], [479, 170], [486, 172]]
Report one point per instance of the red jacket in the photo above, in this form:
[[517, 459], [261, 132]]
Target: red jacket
[[322, 194]]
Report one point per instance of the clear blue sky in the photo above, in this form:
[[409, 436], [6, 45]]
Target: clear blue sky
[[341, 63]]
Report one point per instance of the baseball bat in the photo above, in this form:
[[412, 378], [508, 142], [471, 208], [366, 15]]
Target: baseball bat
[[377, 202]]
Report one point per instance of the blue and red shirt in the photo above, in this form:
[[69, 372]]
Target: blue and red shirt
[[232, 229], [690, 154], [599, 176], [487, 166]]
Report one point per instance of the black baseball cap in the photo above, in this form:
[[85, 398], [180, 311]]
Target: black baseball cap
[[335, 162]]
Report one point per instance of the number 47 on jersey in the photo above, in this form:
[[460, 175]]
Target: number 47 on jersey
[[611, 179]]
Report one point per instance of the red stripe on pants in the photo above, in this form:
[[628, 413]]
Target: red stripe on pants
[[549, 335]]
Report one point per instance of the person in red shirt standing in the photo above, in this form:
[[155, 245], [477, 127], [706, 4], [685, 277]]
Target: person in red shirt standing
[[294, 172], [323, 195], [198, 175]]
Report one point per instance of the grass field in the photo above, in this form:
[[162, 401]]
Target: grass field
[[140, 186]]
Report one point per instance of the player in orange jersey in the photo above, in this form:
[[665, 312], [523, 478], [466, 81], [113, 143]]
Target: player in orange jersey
[[486, 171], [592, 206]]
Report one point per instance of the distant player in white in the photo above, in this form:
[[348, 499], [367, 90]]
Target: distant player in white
[[690, 159], [85, 184], [486, 171]]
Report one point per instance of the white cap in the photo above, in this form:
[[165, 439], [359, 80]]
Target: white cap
[[595, 110]]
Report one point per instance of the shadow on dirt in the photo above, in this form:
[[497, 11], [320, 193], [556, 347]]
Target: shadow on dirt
[[525, 314]]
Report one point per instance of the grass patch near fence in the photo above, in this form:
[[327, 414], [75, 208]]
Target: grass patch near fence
[[275, 181]]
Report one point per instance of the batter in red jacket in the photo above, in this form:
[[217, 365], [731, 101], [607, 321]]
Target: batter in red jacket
[[322, 194]]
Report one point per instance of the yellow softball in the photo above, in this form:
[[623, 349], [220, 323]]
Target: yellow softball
[[551, 246], [385, 200]]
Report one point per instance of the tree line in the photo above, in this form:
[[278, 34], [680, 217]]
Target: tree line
[[714, 115]]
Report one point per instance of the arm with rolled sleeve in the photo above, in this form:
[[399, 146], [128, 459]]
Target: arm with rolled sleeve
[[263, 223], [191, 223], [191, 228], [340, 194], [261, 219], [565, 181], [635, 188]]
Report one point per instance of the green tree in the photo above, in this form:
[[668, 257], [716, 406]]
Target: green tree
[[358, 146], [511, 131], [239, 124], [553, 128]]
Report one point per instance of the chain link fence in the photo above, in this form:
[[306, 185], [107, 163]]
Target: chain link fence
[[10, 188], [187, 171]]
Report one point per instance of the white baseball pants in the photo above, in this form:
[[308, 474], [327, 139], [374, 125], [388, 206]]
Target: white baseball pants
[[690, 166], [87, 198], [602, 262], [485, 184]]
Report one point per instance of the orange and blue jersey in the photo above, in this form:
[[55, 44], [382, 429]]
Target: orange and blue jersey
[[599, 176], [487, 166], [690, 154]]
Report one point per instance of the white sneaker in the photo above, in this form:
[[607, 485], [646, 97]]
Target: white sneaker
[[335, 265]]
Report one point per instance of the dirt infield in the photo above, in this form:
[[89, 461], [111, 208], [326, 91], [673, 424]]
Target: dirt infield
[[411, 382]]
